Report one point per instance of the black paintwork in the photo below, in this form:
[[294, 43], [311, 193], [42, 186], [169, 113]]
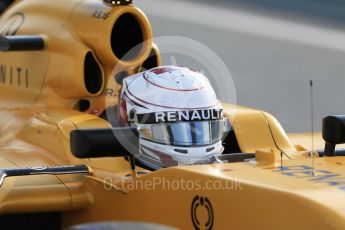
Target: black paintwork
[[333, 132], [94, 143], [21, 43]]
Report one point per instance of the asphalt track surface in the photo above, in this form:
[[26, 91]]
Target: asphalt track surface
[[272, 52]]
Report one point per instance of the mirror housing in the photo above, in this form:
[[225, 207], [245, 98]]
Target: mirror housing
[[95, 143], [333, 132]]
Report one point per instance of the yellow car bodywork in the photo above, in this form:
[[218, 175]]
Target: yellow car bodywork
[[39, 109]]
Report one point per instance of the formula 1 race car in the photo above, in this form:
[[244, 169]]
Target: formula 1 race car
[[62, 164]]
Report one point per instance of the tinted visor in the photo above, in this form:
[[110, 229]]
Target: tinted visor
[[195, 133]]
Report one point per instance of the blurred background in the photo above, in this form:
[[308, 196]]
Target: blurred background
[[272, 48]]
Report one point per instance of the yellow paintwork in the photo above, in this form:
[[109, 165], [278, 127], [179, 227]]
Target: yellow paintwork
[[35, 123]]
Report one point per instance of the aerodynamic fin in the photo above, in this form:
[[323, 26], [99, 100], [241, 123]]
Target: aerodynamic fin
[[21, 43], [57, 170]]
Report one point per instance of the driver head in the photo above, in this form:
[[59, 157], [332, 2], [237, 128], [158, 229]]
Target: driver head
[[178, 115]]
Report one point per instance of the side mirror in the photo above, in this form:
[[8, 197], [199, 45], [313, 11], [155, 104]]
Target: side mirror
[[94, 143], [333, 132]]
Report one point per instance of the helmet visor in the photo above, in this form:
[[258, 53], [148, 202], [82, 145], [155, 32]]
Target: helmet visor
[[195, 133]]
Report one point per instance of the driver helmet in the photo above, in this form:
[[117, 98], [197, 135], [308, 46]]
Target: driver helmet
[[178, 116]]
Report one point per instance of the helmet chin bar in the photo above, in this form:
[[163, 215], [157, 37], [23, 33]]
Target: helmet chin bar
[[159, 155]]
